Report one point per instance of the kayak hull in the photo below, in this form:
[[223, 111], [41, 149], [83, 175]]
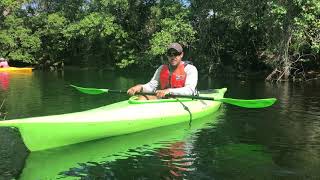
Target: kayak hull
[[40, 133], [16, 69]]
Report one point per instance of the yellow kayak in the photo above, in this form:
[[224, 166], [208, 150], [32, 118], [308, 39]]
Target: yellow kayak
[[16, 69]]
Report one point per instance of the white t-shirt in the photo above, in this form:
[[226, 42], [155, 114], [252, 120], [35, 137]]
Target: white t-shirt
[[190, 84]]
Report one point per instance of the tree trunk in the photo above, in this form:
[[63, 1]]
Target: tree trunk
[[282, 70], [287, 64]]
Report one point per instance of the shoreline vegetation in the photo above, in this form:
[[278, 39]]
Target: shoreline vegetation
[[224, 72], [278, 40]]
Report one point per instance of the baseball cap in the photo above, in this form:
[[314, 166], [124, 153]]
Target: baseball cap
[[175, 46]]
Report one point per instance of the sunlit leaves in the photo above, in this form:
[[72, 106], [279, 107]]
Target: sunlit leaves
[[56, 21], [173, 27], [94, 24], [115, 3], [125, 33], [278, 32], [18, 42], [6, 42], [160, 41], [307, 25]]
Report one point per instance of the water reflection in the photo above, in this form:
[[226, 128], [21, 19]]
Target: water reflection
[[296, 134], [4, 81], [203, 151], [279, 142], [178, 158], [20, 92], [82, 159]]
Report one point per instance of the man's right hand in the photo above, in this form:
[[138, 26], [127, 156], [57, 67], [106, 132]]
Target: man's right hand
[[134, 89]]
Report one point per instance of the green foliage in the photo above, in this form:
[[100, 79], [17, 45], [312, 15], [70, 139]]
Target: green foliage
[[53, 41], [251, 34], [129, 60], [175, 29], [90, 25], [173, 26], [160, 41], [11, 4], [292, 35], [244, 35], [308, 25], [97, 26], [18, 42]]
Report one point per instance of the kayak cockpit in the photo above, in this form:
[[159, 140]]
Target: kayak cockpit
[[134, 100]]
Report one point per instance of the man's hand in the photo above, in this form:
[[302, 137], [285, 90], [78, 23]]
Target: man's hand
[[134, 89], [162, 93]]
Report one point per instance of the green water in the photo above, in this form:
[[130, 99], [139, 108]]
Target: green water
[[280, 142]]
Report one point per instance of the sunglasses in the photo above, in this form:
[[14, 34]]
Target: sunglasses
[[173, 53]]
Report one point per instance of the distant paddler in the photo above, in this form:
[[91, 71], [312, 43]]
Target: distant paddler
[[4, 63], [4, 67]]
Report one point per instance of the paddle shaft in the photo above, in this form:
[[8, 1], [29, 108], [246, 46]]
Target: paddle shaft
[[172, 96], [253, 103]]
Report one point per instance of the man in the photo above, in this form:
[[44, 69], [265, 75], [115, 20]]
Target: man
[[4, 63], [176, 78]]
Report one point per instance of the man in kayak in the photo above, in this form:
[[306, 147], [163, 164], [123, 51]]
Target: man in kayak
[[176, 78]]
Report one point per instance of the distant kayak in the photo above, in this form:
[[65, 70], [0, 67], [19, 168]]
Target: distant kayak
[[16, 69], [129, 116]]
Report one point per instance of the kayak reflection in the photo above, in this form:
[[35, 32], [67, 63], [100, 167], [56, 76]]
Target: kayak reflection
[[4, 81], [60, 161], [174, 157]]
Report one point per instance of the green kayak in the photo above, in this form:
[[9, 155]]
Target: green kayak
[[129, 116]]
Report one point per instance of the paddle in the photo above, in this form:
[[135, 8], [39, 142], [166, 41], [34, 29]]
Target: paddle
[[253, 103]]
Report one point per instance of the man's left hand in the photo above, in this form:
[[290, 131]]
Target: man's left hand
[[162, 93]]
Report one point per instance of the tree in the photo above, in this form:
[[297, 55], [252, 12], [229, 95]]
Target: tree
[[281, 35], [297, 24], [17, 42]]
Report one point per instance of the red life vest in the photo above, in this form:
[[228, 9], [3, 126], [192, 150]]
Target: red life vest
[[175, 80]]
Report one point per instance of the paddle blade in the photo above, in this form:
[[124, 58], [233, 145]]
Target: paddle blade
[[92, 91], [254, 103]]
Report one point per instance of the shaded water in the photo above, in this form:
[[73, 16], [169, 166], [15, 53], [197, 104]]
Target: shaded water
[[279, 142]]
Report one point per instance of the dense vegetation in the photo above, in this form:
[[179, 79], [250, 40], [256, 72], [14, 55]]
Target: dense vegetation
[[281, 38]]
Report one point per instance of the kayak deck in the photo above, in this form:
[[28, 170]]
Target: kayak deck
[[120, 118]]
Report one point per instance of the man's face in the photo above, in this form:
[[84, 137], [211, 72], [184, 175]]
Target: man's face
[[174, 57]]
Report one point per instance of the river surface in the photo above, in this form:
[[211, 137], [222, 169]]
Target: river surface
[[279, 142]]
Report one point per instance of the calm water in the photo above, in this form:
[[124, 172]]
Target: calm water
[[279, 142]]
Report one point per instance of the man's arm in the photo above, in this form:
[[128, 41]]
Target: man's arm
[[153, 84]]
